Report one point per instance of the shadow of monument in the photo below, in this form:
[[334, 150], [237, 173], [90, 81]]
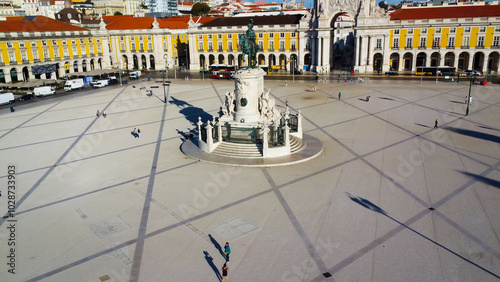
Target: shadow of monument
[[475, 134], [191, 113]]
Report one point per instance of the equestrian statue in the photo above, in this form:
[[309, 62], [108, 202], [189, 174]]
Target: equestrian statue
[[249, 46]]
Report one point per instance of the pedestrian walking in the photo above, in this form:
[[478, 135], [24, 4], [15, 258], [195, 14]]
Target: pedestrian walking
[[227, 250], [139, 133], [436, 124], [134, 132], [225, 268], [98, 114], [286, 102], [338, 78], [286, 83], [104, 113], [340, 95]]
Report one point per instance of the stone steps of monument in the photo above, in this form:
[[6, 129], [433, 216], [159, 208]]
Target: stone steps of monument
[[238, 150], [296, 144]]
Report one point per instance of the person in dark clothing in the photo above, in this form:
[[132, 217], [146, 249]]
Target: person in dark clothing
[[225, 268]]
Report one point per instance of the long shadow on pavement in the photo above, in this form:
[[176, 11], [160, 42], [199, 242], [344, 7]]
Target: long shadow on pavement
[[475, 134], [486, 180], [210, 262], [371, 206], [217, 245]]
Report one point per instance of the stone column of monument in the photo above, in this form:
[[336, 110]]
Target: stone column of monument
[[249, 85]]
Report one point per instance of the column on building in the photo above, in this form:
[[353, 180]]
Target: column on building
[[314, 52], [484, 69], [363, 49], [301, 45], [326, 52], [194, 58], [319, 63], [358, 44]]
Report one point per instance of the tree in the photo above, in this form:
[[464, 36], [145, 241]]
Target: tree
[[117, 13], [200, 9]]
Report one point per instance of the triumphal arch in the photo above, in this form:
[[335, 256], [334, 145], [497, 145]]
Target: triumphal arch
[[321, 30]]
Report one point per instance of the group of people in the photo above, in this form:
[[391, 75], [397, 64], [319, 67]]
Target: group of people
[[136, 133], [103, 113]]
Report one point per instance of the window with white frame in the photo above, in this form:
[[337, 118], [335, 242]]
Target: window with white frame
[[438, 30], [121, 37], [46, 55], [396, 31], [261, 45], [271, 45], [200, 46], [379, 43], [423, 42], [410, 31], [282, 45], [150, 46], [81, 40], [282, 34], [9, 44], [219, 36], [219, 46], [65, 52], [21, 44], [12, 57], [141, 46], [496, 40], [122, 46], [294, 34], [435, 43], [24, 55], [132, 46], [33, 44], [466, 41], [260, 35], [209, 36], [54, 42], [271, 34], [75, 53], [149, 37], [451, 41], [210, 46], [497, 28], [480, 41], [395, 43], [467, 29], [83, 49], [453, 30], [424, 30], [482, 29], [35, 54], [409, 42]]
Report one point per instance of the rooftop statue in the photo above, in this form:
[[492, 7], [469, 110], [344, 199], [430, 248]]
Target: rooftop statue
[[249, 46]]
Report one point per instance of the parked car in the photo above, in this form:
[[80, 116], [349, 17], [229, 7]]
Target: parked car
[[26, 97], [391, 73], [471, 72]]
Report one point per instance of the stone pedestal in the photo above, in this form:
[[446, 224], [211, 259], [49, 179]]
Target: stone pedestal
[[249, 87]]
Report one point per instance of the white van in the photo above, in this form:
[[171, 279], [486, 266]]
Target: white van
[[100, 83], [6, 98], [135, 74], [43, 91]]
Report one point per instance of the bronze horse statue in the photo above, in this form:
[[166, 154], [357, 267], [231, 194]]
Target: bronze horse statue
[[250, 48]]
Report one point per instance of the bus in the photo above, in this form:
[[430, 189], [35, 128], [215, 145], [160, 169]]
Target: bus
[[222, 71], [435, 70]]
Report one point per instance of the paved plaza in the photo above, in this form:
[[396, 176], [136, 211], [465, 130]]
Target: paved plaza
[[390, 198]]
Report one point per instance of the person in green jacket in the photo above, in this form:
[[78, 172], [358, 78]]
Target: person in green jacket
[[227, 249]]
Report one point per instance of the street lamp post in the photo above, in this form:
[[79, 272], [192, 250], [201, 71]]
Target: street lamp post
[[471, 79], [437, 68]]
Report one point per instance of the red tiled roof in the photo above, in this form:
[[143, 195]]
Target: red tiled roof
[[110, 19], [39, 23], [446, 12], [131, 23]]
